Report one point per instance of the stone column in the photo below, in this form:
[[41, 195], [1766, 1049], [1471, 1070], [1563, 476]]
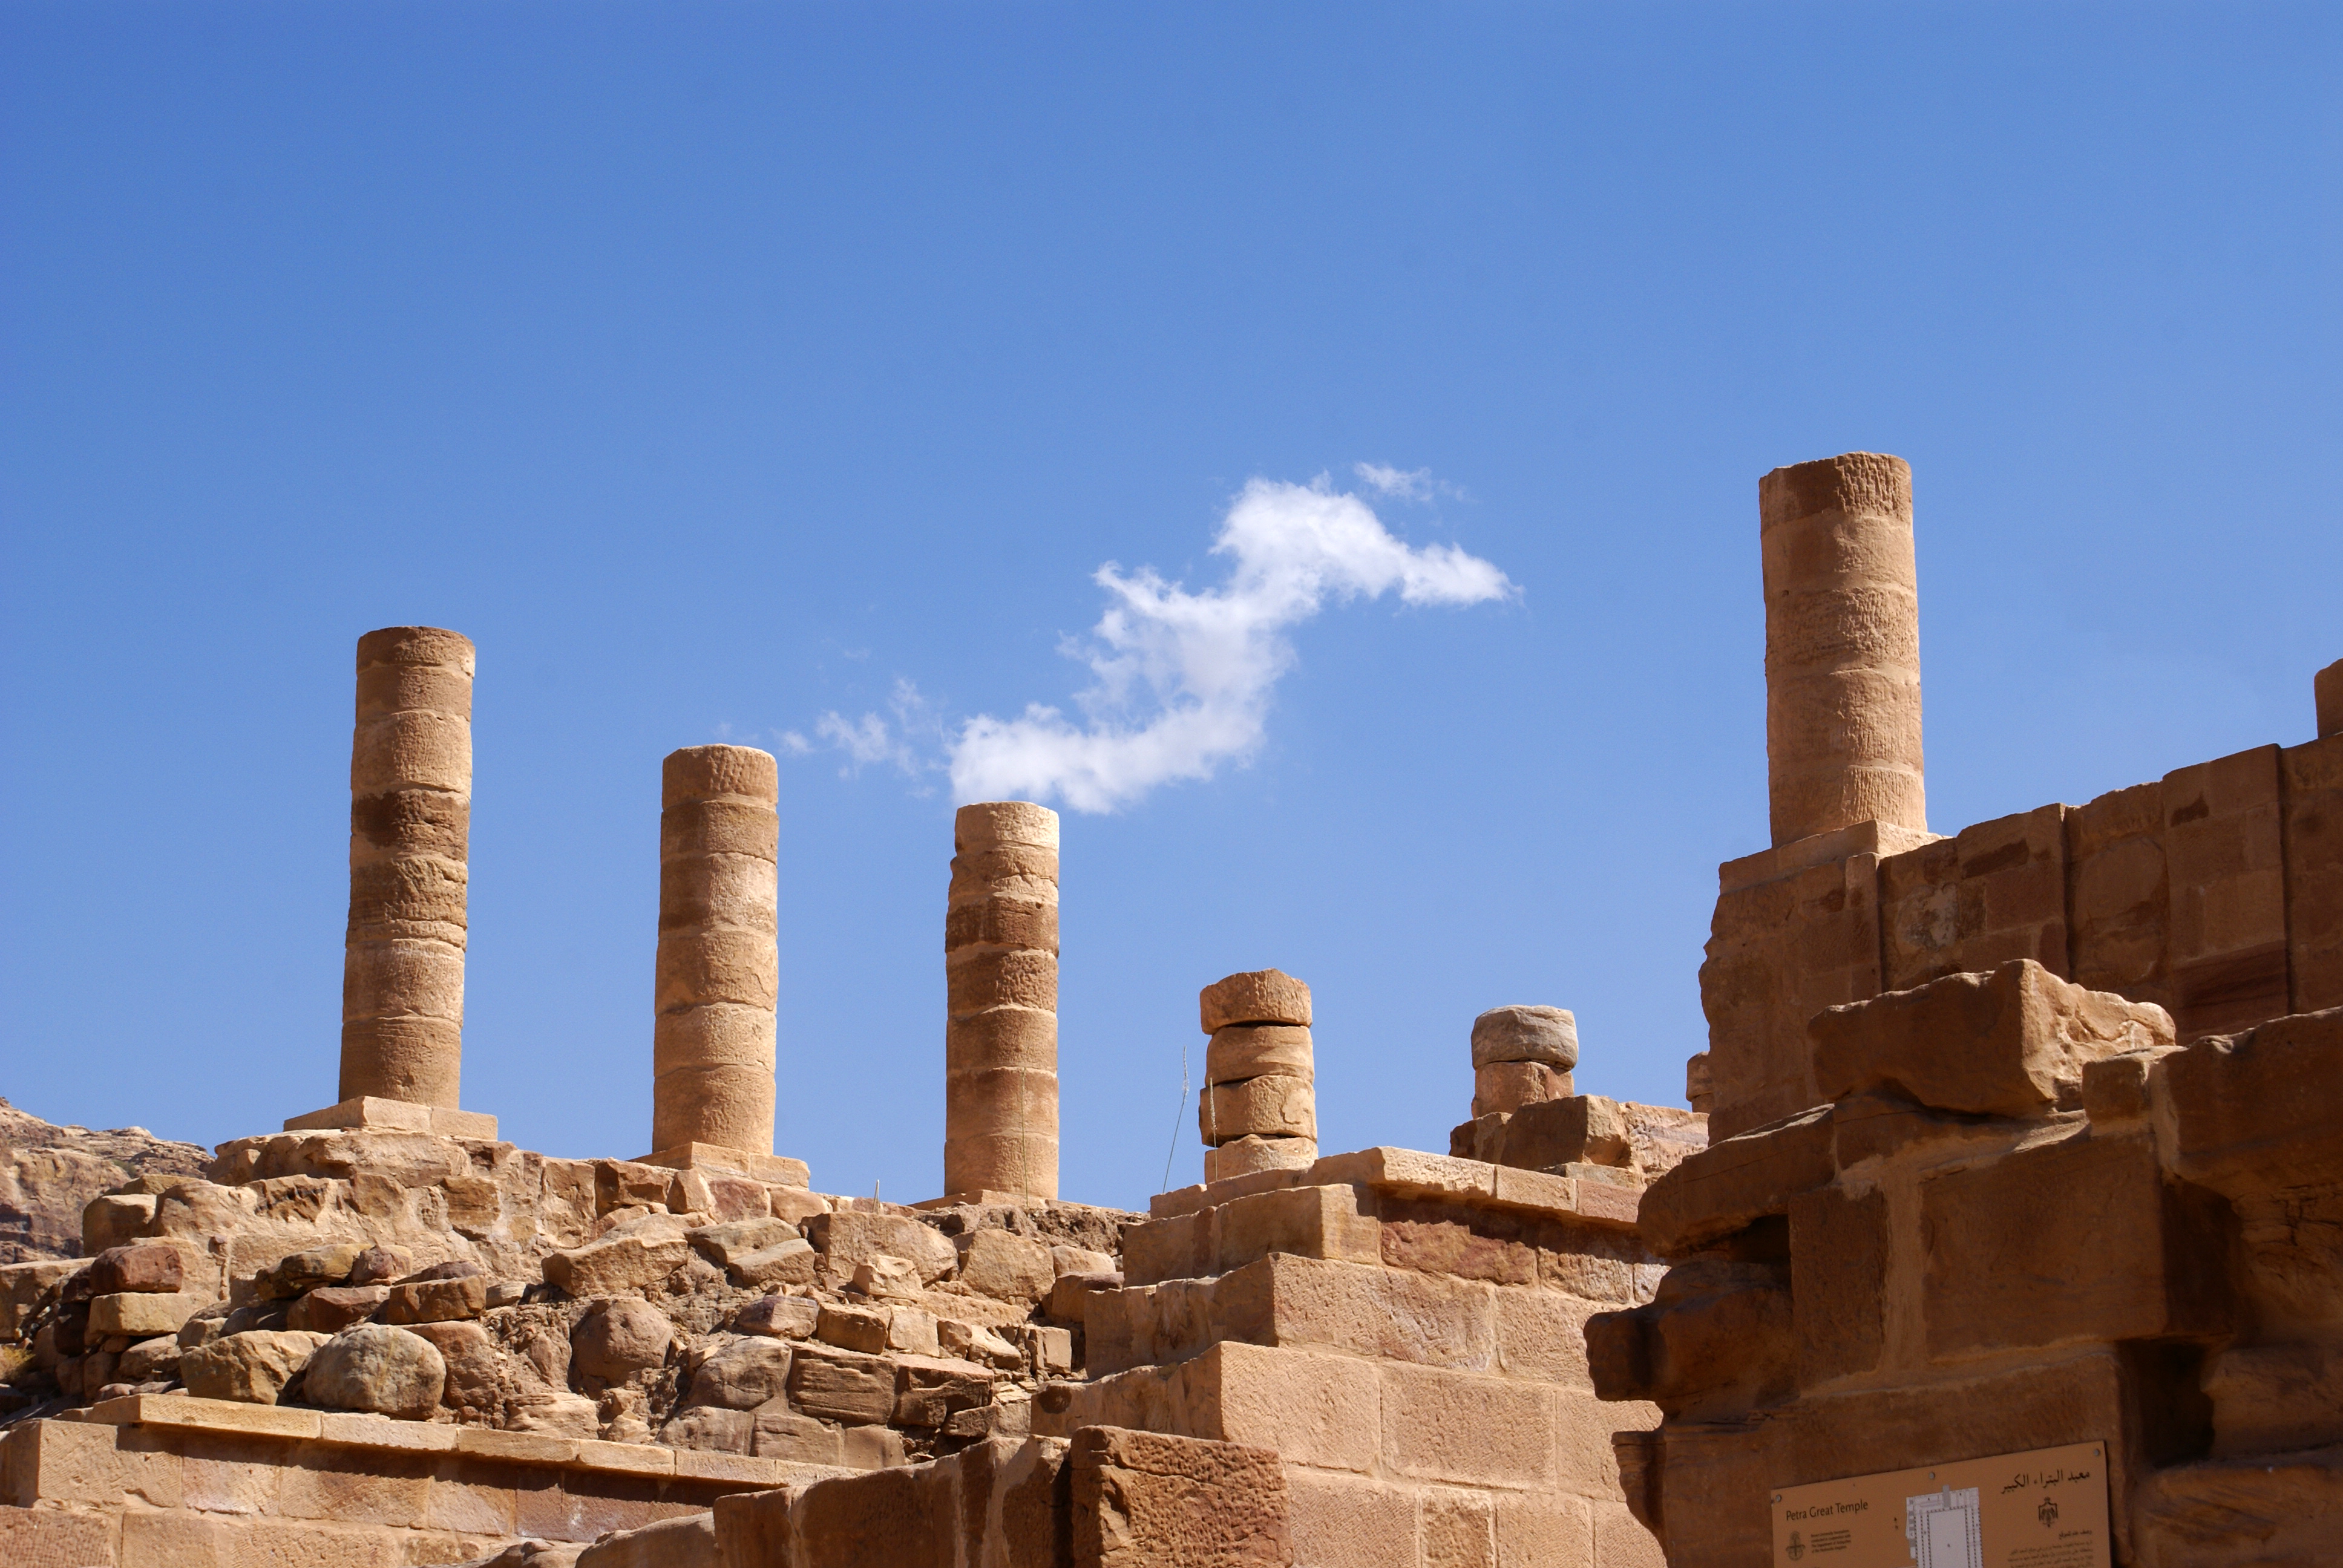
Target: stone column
[[718, 973], [1522, 1056], [2327, 691], [1259, 1108], [1842, 646], [1000, 975], [410, 829]]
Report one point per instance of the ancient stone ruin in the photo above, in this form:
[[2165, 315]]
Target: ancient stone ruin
[[2026, 1144]]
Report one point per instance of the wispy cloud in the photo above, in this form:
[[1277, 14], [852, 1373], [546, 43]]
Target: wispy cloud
[[1185, 680], [871, 739]]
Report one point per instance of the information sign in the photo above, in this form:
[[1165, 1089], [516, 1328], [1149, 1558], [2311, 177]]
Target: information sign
[[2046, 1508]]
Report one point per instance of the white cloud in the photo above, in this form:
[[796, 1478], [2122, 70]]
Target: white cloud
[[1184, 679], [1408, 484], [871, 739]]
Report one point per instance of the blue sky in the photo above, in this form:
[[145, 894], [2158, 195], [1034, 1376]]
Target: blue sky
[[716, 368]]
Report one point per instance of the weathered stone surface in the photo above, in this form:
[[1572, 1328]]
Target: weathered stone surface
[[742, 1375], [1731, 1185], [1585, 1129], [1005, 1267], [685, 1543], [840, 1386], [377, 1368], [1244, 1156], [1000, 975], [1258, 996], [619, 1263], [1245, 1051], [854, 1328], [790, 1262], [847, 1239], [727, 1243], [1279, 1107], [1842, 646], [1839, 1249], [330, 1309], [881, 1276], [139, 1314], [2013, 1042], [437, 1300], [307, 1270], [2077, 1239], [475, 1383], [146, 1266], [2261, 1110], [250, 1367], [1543, 1034], [1141, 1499], [1503, 1087], [779, 1317], [620, 1337]]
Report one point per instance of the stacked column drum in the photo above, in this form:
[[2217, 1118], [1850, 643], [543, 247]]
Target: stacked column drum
[[1522, 1056], [410, 831], [719, 968], [1259, 1109], [1000, 975]]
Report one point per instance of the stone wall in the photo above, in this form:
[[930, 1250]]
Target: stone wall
[[2216, 893]]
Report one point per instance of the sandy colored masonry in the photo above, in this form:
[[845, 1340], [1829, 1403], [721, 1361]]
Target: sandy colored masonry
[[719, 972], [1842, 646], [1001, 1032], [410, 826]]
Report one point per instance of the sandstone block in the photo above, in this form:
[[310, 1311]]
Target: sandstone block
[[1258, 996], [1007, 1267], [1730, 1185], [1306, 1222], [1065, 1260], [1503, 1087], [1839, 1249], [2261, 1111], [306, 1271], [1257, 1107], [976, 1343], [250, 1367], [861, 1329], [742, 1375], [620, 1337], [435, 1300], [1465, 1429], [989, 823], [154, 1267], [2013, 1042], [1585, 1129], [790, 1262], [710, 1429], [377, 1368], [1547, 1034], [837, 1385], [724, 1244], [1358, 1523], [330, 1309], [1244, 1156], [1243, 1050], [1002, 921], [619, 1263], [783, 1434], [927, 1395], [778, 1317], [476, 1380], [912, 1331], [976, 980], [1141, 1499], [848, 1239], [882, 1277], [115, 1220], [2077, 1239], [148, 1361], [1284, 1301], [139, 1314], [1022, 1038]]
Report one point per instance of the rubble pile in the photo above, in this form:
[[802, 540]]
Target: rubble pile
[[435, 1279]]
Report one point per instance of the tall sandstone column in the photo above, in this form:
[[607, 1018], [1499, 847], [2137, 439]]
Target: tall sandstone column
[[718, 973], [1000, 972], [1842, 646], [411, 830]]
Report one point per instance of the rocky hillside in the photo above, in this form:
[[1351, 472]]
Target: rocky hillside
[[48, 1172]]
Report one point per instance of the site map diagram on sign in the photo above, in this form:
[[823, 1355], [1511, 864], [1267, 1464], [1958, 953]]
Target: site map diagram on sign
[[2043, 1509]]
